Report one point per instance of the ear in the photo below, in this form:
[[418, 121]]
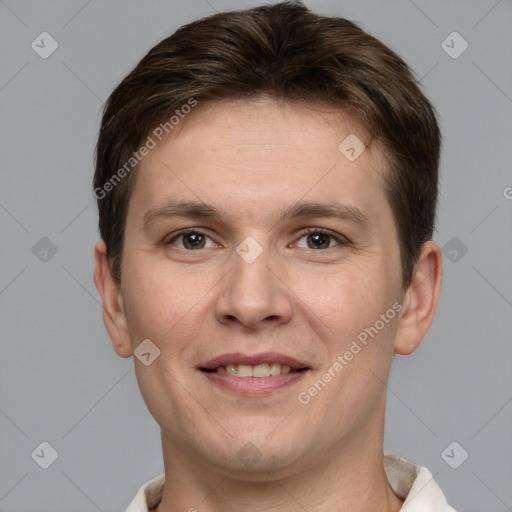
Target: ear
[[419, 305], [113, 310]]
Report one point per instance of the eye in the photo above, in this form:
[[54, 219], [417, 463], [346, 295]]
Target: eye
[[316, 238], [191, 240]]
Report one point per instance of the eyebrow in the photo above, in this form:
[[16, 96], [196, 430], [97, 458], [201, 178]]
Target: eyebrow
[[191, 209], [297, 211], [330, 210]]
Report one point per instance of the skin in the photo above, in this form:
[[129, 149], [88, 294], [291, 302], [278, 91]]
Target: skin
[[252, 161]]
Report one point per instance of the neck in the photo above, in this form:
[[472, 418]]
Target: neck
[[353, 479]]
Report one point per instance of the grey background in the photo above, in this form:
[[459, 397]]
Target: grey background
[[60, 380]]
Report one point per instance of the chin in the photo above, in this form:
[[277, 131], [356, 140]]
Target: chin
[[252, 456]]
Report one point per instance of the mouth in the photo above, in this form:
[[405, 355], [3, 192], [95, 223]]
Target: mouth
[[253, 375], [256, 370]]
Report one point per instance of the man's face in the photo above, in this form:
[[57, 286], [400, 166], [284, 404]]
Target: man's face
[[289, 254]]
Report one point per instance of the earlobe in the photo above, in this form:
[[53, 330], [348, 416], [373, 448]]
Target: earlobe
[[419, 305], [113, 310]]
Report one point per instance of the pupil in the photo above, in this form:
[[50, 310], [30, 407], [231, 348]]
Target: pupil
[[319, 241], [194, 240]]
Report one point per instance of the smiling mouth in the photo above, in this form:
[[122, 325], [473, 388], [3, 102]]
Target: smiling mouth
[[257, 370]]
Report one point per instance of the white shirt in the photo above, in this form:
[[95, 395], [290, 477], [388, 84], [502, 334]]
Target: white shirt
[[410, 481]]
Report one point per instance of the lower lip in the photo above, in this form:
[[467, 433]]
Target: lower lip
[[253, 386]]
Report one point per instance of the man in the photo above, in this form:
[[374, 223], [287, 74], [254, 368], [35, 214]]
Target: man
[[267, 183]]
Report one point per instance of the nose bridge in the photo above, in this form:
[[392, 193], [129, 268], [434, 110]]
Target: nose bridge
[[252, 293], [252, 276]]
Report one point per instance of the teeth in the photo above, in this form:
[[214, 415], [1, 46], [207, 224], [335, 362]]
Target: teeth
[[257, 370], [261, 370], [244, 370], [275, 369]]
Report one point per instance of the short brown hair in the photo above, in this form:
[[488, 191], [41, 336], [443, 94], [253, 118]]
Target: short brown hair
[[287, 52]]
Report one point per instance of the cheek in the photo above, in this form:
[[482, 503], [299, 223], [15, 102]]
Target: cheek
[[169, 309], [347, 300], [357, 309], [164, 304]]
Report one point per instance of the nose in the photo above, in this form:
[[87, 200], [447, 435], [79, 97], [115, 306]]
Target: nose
[[254, 295]]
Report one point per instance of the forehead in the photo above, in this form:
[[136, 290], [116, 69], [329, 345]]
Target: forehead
[[258, 156]]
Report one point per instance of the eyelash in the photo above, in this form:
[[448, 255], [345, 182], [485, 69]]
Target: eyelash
[[340, 239], [182, 232]]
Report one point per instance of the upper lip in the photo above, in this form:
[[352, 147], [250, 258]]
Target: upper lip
[[253, 359]]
